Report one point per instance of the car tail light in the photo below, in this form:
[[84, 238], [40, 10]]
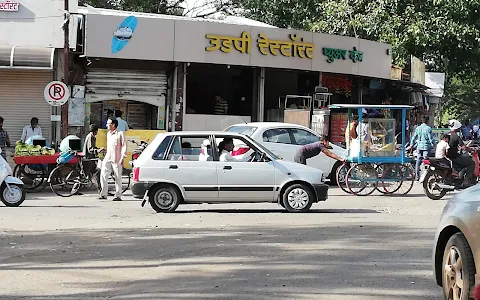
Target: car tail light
[[426, 161], [135, 156], [136, 174]]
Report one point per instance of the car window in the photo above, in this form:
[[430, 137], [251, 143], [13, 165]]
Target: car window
[[246, 130], [303, 137], [190, 148], [277, 135], [159, 154]]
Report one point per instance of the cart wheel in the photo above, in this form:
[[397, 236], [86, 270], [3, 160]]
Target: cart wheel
[[362, 179], [341, 177], [389, 178], [407, 175], [32, 176]]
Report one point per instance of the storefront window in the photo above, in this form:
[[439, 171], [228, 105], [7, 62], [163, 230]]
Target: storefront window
[[219, 90]]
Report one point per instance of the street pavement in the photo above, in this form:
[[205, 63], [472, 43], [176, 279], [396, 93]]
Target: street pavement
[[375, 247]]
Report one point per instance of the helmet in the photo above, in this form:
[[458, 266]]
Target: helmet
[[454, 124]]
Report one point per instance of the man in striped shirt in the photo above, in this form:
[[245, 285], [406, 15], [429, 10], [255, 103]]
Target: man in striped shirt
[[221, 106]]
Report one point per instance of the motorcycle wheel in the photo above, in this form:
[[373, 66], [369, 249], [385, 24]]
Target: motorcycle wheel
[[428, 186], [13, 197]]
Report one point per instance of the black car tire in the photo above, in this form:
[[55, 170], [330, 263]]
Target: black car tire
[[458, 247], [164, 198], [303, 191]]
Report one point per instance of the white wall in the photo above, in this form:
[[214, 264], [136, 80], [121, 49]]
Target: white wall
[[36, 23]]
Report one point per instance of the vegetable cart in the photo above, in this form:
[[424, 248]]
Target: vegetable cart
[[35, 170]]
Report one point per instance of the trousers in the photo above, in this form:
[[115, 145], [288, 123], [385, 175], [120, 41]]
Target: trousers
[[107, 169]]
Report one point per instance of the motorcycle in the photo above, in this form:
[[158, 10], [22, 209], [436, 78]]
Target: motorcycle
[[12, 191], [138, 150], [440, 177]]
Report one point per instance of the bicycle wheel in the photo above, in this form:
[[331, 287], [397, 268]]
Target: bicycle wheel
[[65, 181], [32, 176], [389, 178], [407, 173], [341, 177], [362, 179]]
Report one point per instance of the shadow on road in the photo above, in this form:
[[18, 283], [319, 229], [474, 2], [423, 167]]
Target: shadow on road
[[249, 262]]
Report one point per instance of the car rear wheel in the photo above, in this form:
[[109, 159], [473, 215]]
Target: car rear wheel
[[458, 269], [297, 198], [164, 198]]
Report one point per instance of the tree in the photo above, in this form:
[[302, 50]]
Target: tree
[[443, 33]]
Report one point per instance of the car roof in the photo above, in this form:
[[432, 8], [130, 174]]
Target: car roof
[[181, 133], [265, 125]]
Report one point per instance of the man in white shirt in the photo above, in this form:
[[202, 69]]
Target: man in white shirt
[[32, 130], [122, 124], [113, 160], [226, 147]]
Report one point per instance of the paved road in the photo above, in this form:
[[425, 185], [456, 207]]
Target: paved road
[[347, 248]]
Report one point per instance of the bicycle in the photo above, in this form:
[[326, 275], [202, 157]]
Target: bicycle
[[66, 180]]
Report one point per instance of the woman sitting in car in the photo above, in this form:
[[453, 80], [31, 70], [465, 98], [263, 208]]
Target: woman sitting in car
[[226, 147]]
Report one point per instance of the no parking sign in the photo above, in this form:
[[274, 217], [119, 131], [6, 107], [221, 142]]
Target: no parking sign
[[56, 93]]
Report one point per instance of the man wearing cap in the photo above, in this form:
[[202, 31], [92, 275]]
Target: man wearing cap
[[314, 149]]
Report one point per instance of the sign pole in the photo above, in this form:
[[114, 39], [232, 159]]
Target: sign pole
[[66, 65]]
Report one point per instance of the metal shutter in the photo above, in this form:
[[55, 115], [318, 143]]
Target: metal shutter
[[21, 98], [110, 84]]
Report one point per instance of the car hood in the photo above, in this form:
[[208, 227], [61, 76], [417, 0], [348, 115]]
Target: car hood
[[296, 167]]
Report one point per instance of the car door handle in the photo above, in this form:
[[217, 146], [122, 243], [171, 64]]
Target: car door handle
[[173, 167], [227, 167]]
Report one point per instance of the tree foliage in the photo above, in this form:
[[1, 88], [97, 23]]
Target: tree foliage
[[445, 34]]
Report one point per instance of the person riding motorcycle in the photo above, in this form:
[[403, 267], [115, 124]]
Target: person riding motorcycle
[[458, 159]]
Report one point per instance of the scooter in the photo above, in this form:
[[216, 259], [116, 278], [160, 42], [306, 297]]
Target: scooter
[[138, 150], [12, 191], [441, 177]]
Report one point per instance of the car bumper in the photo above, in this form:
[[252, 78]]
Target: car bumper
[[139, 188], [321, 190]]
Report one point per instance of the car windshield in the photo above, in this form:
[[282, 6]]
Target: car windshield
[[245, 130], [261, 147]]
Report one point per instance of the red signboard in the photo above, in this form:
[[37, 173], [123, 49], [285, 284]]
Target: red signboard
[[338, 124]]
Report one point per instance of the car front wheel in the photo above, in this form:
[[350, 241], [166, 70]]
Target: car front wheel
[[458, 269], [297, 198]]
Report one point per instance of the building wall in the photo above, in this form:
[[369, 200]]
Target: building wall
[[165, 38], [37, 23]]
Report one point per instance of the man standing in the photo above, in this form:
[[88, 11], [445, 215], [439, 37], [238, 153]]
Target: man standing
[[4, 139], [91, 151], [351, 131], [314, 149], [221, 106], [113, 161], [32, 130], [423, 139], [122, 124]]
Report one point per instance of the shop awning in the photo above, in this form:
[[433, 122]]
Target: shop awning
[[26, 58]]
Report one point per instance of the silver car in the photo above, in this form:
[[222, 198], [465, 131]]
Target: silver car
[[186, 167], [456, 255]]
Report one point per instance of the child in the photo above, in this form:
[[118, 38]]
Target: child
[[442, 147]]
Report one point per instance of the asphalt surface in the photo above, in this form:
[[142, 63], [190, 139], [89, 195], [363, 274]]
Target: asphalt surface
[[375, 247]]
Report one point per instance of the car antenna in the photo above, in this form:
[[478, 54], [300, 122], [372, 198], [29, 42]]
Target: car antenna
[[244, 121]]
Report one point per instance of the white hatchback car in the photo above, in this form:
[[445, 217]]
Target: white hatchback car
[[284, 139], [182, 167]]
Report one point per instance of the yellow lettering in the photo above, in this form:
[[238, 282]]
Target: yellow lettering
[[262, 43], [243, 43], [214, 42], [227, 46]]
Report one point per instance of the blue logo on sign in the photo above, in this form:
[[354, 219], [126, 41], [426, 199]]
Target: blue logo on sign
[[123, 34]]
